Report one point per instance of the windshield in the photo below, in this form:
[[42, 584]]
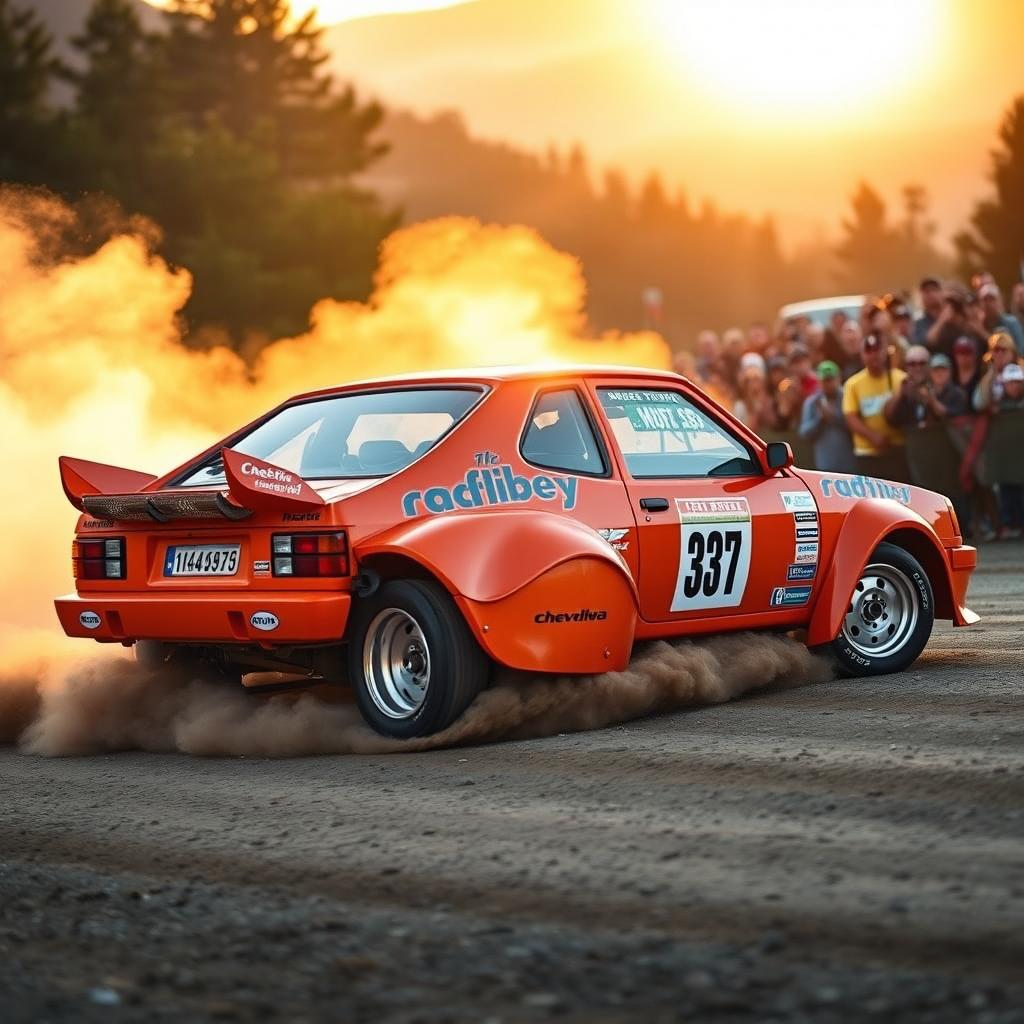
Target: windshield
[[372, 434]]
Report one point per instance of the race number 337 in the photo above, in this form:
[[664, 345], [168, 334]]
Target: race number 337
[[714, 553]]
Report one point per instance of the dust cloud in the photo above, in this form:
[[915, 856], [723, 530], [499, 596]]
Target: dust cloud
[[112, 704]]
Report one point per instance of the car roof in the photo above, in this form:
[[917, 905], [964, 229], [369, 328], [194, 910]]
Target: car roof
[[496, 375]]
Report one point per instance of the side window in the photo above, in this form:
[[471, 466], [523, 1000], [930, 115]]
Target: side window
[[661, 434], [559, 435]]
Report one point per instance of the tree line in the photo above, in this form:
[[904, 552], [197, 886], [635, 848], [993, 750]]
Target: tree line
[[224, 128]]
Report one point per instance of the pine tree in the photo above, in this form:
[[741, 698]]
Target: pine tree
[[250, 66], [995, 239], [864, 251], [223, 130], [27, 69]]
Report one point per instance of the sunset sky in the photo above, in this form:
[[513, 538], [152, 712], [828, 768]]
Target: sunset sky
[[762, 106]]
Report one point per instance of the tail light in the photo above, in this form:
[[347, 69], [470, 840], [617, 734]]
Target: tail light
[[309, 554], [98, 558]]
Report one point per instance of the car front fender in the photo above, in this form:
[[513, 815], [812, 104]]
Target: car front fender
[[865, 526]]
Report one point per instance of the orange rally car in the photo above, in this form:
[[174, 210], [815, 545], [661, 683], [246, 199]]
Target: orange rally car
[[408, 534]]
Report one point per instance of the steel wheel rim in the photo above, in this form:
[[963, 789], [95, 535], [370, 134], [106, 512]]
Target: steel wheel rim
[[883, 611], [396, 663]]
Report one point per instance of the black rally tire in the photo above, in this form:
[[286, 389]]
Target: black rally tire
[[900, 583], [458, 671]]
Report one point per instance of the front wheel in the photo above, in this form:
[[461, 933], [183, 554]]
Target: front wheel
[[413, 663], [889, 618]]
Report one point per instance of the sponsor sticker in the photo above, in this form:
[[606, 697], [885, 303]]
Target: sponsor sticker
[[801, 572], [581, 615], [713, 510], [714, 553], [300, 517], [615, 536], [864, 487], [272, 479], [90, 620], [805, 517], [490, 483], [806, 552], [261, 567], [806, 533], [266, 621], [798, 501], [783, 597]]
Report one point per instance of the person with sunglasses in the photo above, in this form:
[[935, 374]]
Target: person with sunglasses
[[918, 402], [1001, 353]]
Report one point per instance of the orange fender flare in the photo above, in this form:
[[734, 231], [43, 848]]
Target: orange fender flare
[[541, 593], [868, 524]]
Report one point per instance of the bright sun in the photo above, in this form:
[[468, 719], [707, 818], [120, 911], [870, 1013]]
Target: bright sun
[[778, 57]]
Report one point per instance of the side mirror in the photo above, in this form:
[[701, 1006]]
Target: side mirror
[[778, 455]]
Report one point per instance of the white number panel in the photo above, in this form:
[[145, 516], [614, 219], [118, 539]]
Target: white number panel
[[714, 553]]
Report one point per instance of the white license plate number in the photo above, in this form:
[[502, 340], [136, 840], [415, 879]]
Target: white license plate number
[[201, 560]]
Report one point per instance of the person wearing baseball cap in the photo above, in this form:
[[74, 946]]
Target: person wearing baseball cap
[[995, 318], [877, 444], [823, 424], [920, 402], [1004, 450], [931, 305]]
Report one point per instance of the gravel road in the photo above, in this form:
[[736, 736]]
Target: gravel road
[[844, 852]]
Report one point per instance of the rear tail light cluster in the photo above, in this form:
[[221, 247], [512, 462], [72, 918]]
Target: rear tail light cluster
[[309, 554], [100, 558]]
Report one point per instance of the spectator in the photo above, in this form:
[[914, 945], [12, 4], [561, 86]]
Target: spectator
[[733, 347], [1009, 474], [786, 396], [902, 322], [931, 304], [851, 338], [949, 395], [708, 353], [1017, 301], [995, 319], [758, 337], [877, 445], [754, 405], [801, 371], [814, 342], [919, 402], [880, 324], [966, 367], [823, 424], [952, 323], [1002, 352]]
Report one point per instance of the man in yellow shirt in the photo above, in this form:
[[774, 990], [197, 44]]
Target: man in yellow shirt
[[877, 445]]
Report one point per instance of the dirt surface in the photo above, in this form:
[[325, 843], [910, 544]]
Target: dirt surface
[[847, 851]]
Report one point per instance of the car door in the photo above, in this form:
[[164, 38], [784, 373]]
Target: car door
[[717, 536]]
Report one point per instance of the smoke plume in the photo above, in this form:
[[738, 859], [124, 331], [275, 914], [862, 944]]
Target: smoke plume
[[93, 363], [112, 704]]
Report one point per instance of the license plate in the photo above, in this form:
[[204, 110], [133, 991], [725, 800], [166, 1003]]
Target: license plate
[[201, 560]]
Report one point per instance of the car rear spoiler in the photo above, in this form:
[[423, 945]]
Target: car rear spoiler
[[116, 494]]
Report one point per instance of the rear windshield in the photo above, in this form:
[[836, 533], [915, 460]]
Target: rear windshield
[[361, 435]]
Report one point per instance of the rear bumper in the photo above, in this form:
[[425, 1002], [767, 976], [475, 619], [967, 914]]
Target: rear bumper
[[962, 562], [302, 617]]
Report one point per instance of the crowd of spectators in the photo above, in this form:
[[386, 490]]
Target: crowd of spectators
[[932, 396]]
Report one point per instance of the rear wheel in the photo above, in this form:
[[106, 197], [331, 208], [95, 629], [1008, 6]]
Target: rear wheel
[[413, 663], [890, 615]]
